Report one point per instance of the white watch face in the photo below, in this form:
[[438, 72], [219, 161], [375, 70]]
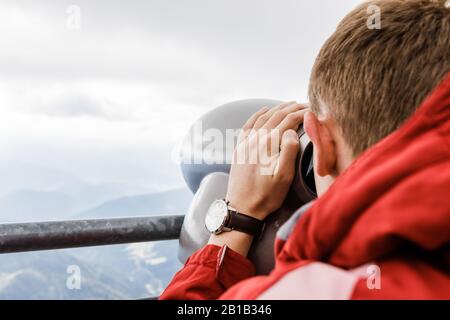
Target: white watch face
[[216, 215]]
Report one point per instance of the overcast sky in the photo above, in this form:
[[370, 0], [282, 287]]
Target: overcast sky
[[108, 101]]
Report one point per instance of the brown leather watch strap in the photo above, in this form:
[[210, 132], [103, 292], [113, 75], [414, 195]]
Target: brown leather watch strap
[[241, 222]]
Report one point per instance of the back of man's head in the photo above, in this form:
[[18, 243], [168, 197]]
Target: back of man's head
[[371, 80]]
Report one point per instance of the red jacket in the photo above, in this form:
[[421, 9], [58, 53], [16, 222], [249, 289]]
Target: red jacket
[[382, 231]]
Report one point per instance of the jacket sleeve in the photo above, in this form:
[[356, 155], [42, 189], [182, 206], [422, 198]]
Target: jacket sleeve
[[208, 273]]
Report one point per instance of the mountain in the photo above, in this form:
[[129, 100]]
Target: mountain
[[174, 201], [61, 203], [89, 195], [31, 205], [128, 271], [17, 175], [132, 271], [43, 275]]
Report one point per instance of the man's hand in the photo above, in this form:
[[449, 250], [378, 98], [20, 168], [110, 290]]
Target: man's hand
[[262, 168], [264, 160]]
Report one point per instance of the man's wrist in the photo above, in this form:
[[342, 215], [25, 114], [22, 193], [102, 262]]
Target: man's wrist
[[239, 242], [251, 212]]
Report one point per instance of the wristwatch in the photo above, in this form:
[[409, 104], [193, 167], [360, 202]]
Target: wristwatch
[[221, 218]]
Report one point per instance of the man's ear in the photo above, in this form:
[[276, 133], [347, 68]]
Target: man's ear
[[324, 147]]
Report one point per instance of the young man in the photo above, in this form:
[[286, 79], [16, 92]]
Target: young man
[[380, 126]]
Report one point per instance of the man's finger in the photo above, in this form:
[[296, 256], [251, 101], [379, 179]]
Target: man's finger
[[248, 125], [251, 121], [292, 121], [266, 116], [280, 115], [288, 153]]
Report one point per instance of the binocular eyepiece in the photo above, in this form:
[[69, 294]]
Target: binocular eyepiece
[[304, 184]]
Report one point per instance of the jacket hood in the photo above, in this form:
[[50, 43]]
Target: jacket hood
[[396, 195]]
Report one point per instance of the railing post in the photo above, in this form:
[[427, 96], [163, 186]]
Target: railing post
[[31, 236]]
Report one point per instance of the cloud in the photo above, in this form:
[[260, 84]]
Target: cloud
[[72, 106], [137, 74]]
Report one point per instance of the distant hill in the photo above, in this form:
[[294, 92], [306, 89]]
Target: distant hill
[[31, 205], [175, 201], [111, 272], [43, 275], [108, 272], [18, 175], [62, 203]]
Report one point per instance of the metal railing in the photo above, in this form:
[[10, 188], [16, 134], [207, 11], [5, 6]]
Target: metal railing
[[32, 236]]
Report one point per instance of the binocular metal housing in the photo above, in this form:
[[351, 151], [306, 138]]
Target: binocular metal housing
[[208, 181]]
